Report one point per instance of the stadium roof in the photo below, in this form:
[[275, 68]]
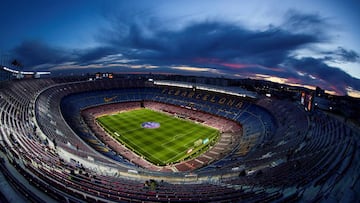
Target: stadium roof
[[237, 91], [24, 72]]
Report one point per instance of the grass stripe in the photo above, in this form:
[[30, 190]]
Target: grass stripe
[[168, 143]]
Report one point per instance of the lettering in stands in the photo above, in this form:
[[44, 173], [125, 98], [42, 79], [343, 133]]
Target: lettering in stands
[[204, 97]]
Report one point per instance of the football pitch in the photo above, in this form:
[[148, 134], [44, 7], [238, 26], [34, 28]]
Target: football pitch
[[158, 137]]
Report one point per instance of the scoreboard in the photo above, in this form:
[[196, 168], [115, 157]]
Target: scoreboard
[[307, 100]]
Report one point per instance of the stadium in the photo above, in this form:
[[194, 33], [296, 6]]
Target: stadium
[[138, 139]]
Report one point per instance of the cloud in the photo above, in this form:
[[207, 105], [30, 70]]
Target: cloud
[[310, 23], [92, 54], [34, 53], [348, 55], [325, 76], [210, 39], [195, 69], [207, 47], [342, 55]]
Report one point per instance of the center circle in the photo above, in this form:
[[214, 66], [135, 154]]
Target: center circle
[[150, 125]]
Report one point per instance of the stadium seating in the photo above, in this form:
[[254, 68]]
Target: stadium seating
[[277, 152]]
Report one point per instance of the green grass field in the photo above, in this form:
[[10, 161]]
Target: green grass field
[[169, 143]]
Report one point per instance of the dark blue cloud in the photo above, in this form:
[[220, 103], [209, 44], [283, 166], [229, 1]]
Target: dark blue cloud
[[326, 76], [306, 23], [212, 40], [341, 55], [225, 47], [348, 55], [33, 53], [90, 55]]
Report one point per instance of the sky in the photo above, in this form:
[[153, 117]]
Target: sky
[[304, 43]]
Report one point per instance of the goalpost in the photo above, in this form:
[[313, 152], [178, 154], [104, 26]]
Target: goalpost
[[198, 142]]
